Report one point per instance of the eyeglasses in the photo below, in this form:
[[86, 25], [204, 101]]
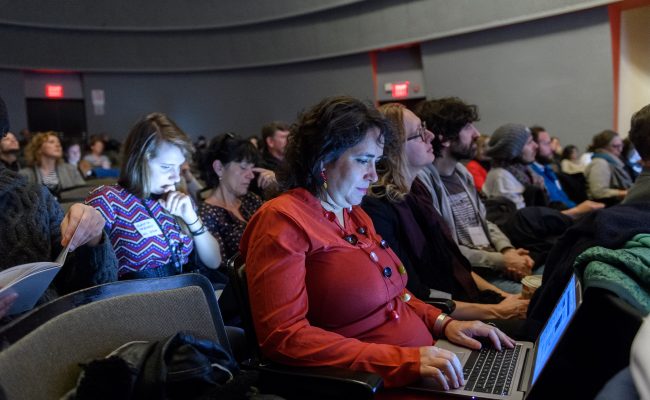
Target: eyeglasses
[[421, 133]]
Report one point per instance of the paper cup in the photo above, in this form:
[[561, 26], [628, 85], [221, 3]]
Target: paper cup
[[529, 284]]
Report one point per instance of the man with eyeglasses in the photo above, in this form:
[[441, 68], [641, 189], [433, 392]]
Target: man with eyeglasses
[[456, 198]]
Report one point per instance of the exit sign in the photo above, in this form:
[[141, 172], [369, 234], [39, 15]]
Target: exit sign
[[53, 91], [400, 90]]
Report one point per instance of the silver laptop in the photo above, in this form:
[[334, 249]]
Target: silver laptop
[[510, 374]]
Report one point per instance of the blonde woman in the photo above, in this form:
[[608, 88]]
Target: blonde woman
[[154, 228], [401, 209]]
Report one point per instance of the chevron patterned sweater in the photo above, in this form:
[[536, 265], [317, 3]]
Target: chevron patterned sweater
[[137, 251]]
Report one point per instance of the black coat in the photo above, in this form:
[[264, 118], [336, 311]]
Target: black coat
[[610, 228]]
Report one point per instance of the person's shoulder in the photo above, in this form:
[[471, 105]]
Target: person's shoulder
[[497, 172], [463, 171], [598, 161], [252, 199], [67, 167], [294, 201], [27, 172], [374, 202]]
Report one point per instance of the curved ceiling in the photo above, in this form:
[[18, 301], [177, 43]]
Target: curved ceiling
[[334, 29], [159, 15]]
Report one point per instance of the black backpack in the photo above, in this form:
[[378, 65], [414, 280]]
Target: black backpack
[[182, 366]]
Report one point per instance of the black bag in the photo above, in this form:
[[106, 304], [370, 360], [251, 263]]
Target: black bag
[[180, 367]]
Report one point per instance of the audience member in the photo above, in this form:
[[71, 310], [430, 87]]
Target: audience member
[[542, 166], [456, 199], [479, 166], [230, 163], [324, 288], [631, 159], [610, 228], [44, 155], [571, 162], [274, 138], [513, 149], [556, 146], [188, 183], [72, 152], [25, 137], [154, 229], [402, 213], [607, 179], [640, 136], [255, 141], [34, 228], [96, 156], [9, 150]]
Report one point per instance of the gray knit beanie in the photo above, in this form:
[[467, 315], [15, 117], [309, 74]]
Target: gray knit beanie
[[508, 141]]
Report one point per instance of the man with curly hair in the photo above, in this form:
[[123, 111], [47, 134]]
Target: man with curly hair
[[456, 198]]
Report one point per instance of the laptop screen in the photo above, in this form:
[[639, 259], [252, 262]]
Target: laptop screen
[[555, 326]]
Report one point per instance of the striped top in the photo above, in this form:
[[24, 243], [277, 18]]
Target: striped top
[[124, 213], [51, 179]]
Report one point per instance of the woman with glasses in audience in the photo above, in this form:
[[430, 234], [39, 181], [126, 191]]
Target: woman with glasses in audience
[[155, 229], [607, 178], [44, 154], [325, 288], [401, 210]]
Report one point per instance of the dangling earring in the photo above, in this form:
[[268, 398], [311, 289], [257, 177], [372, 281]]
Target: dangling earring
[[324, 178]]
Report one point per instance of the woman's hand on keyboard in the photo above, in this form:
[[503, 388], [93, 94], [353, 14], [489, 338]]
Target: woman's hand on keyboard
[[463, 333], [441, 366]]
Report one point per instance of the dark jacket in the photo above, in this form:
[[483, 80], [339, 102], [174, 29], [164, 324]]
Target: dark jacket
[[31, 232], [610, 227], [422, 242]]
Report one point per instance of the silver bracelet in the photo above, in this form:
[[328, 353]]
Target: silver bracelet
[[439, 324]]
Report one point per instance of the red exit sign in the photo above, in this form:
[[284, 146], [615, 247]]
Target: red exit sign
[[400, 90], [53, 91]]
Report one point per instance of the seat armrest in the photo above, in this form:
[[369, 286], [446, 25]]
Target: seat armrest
[[317, 382], [447, 306]]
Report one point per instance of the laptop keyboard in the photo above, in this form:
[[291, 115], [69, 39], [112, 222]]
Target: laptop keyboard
[[491, 371]]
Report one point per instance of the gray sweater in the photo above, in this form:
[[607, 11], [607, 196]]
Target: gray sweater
[[68, 174], [478, 258]]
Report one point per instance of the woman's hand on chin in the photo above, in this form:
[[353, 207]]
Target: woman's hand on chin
[[179, 204]]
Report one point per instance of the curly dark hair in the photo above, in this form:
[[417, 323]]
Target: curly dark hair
[[446, 117], [640, 132], [226, 148], [323, 133]]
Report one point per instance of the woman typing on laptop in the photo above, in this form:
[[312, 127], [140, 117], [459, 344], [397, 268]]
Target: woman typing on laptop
[[325, 289]]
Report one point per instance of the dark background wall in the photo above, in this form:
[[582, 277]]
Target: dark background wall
[[556, 72], [532, 62], [239, 101]]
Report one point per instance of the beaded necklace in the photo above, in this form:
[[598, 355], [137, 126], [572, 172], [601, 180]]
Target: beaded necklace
[[386, 271]]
